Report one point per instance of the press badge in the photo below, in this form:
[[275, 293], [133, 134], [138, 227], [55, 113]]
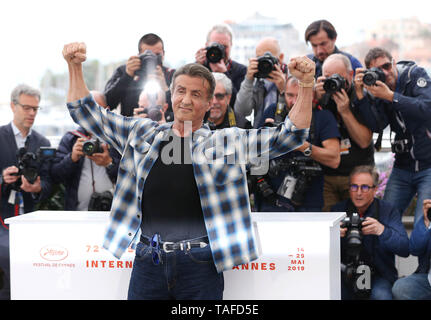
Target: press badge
[[12, 197], [345, 145], [287, 187]]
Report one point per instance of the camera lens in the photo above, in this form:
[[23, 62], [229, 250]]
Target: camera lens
[[215, 53]]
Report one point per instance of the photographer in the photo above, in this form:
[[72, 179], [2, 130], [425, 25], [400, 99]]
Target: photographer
[[18, 194], [152, 103], [262, 86], [221, 115], [127, 82], [335, 91], [322, 36], [417, 286], [88, 172], [403, 100], [370, 243], [292, 188], [216, 57]]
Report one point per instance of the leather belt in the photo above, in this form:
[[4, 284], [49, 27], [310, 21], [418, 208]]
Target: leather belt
[[183, 245]]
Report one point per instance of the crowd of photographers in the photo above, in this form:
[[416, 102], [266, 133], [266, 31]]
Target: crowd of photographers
[[332, 171]]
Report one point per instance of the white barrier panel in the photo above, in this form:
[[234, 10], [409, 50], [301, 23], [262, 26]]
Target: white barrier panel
[[58, 255]]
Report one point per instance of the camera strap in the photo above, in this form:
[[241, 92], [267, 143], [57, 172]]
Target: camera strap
[[79, 134]]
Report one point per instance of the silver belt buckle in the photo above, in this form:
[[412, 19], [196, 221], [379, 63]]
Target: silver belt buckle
[[165, 248]]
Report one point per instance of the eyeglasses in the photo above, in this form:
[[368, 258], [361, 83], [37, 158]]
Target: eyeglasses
[[364, 187], [220, 96], [155, 246], [387, 66], [27, 108]]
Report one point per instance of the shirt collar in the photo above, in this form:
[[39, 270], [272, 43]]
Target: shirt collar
[[17, 132]]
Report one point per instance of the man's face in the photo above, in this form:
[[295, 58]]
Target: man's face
[[361, 199], [156, 49], [387, 66], [291, 93], [219, 105], [24, 112], [190, 99], [337, 66], [223, 39], [321, 44]]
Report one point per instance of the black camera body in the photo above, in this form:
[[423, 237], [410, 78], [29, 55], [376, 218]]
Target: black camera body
[[154, 112], [215, 52], [91, 147], [29, 164], [353, 223], [265, 64], [100, 201], [372, 75], [149, 62], [400, 146], [334, 83]]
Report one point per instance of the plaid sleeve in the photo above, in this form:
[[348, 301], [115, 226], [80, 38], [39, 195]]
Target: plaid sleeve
[[108, 126]]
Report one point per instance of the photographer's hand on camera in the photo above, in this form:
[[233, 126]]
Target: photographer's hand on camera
[[371, 226], [26, 186], [133, 65], [342, 101], [318, 88], [77, 152], [359, 84], [218, 67], [381, 90], [102, 159], [201, 56], [251, 69], [7, 175], [278, 78]]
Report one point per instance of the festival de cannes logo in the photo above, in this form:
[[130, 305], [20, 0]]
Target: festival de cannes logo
[[53, 253]]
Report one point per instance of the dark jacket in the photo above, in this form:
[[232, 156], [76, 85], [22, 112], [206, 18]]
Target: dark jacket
[[8, 157], [65, 171], [420, 245], [381, 249], [122, 89], [409, 116]]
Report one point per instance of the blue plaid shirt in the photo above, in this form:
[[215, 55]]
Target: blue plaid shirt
[[220, 159]]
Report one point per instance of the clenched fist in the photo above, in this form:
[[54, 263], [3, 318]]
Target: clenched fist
[[302, 68], [75, 53]]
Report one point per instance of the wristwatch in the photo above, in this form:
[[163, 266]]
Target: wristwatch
[[307, 151]]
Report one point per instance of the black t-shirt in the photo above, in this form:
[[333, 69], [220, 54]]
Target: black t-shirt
[[170, 202]]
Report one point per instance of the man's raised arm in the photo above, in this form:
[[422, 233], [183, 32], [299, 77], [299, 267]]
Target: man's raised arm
[[75, 54], [303, 69]]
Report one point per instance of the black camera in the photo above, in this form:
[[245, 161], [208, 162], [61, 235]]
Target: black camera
[[100, 201], [353, 223], [372, 75], [429, 214], [400, 146], [154, 110], [91, 147], [215, 52], [334, 83], [149, 62], [29, 164], [265, 64], [302, 170]]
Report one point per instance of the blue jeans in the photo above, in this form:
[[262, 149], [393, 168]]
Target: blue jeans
[[189, 275], [414, 287], [403, 185], [380, 289]]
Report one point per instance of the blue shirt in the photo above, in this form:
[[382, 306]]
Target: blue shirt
[[219, 160]]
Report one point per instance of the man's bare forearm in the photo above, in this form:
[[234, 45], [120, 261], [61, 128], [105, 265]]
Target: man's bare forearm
[[300, 114], [77, 87]]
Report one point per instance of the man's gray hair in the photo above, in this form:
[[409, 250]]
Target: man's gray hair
[[24, 89], [342, 57], [224, 80], [371, 170], [221, 28]]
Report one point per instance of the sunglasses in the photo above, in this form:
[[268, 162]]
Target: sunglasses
[[363, 187], [220, 96], [155, 246]]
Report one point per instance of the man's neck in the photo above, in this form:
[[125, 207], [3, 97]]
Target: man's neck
[[24, 131], [185, 128]]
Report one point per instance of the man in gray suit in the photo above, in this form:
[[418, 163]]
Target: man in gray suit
[[18, 194]]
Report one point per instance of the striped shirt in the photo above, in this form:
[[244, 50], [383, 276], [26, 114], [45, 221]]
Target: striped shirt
[[220, 160]]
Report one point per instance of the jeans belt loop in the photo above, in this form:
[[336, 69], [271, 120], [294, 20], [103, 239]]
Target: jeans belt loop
[[165, 248]]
